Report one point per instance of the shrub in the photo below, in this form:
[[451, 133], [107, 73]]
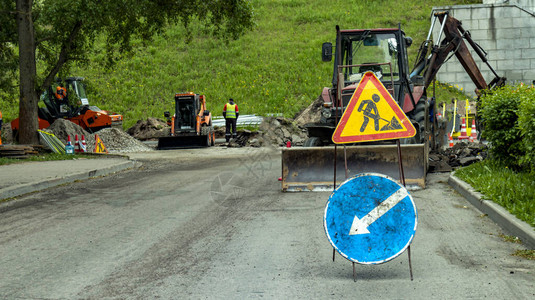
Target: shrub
[[508, 116], [526, 122], [499, 114]]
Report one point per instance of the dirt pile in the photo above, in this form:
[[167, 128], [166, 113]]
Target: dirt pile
[[152, 128], [62, 129], [460, 155], [115, 140], [311, 114], [278, 131], [118, 141]]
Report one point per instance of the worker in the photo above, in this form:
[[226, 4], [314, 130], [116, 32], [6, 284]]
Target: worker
[[230, 113], [61, 92]]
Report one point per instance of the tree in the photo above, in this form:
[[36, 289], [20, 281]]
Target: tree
[[51, 34]]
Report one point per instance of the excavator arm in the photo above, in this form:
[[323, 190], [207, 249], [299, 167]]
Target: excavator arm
[[453, 43]]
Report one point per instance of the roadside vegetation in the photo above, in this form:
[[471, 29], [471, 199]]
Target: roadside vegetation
[[275, 68], [508, 176], [514, 191], [44, 157]]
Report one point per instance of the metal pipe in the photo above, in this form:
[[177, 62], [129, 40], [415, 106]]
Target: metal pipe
[[400, 163], [442, 27], [431, 29]]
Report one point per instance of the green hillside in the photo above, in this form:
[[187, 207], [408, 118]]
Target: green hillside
[[276, 68]]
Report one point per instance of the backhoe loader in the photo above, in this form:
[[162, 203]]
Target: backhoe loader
[[383, 51]]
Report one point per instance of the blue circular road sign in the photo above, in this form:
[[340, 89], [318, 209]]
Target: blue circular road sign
[[370, 219]]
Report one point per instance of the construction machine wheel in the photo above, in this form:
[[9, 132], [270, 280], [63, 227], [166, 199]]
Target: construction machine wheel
[[313, 142], [418, 115], [212, 134], [206, 131]]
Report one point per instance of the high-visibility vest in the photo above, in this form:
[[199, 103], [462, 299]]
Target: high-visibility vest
[[231, 111]]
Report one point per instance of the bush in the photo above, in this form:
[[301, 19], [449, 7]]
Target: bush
[[508, 116], [526, 122], [500, 122]]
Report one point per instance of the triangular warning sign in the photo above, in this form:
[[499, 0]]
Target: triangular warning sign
[[371, 115], [99, 145]]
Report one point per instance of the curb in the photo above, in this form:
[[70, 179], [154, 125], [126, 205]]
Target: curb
[[496, 213], [27, 188]]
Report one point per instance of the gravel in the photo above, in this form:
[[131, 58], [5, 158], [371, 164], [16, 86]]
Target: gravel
[[114, 139]]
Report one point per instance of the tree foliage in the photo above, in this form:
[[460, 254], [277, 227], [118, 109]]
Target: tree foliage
[[65, 31], [8, 58]]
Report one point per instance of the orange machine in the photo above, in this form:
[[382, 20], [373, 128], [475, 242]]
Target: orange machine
[[73, 107], [191, 125]]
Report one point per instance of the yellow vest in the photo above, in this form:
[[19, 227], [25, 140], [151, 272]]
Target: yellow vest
[[231, 111]]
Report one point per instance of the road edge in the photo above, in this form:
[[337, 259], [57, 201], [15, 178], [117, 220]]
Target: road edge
[[23, 189], [495, 212]]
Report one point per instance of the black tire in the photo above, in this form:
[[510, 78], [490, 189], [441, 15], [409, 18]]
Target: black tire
[[205, 131], [313, 142], [212, 135], [418, 116]]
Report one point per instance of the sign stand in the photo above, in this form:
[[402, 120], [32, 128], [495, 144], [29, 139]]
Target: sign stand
[[344, 135], [382, 216], [402, 180]]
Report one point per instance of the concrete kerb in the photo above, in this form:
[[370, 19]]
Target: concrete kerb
[[498, 214], [23, 189]]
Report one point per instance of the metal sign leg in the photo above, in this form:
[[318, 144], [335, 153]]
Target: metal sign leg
[[354, 274], [334, 252], [410, 263]]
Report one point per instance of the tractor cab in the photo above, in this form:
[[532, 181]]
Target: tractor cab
[[70, 105], [187, 107], [381, 51]]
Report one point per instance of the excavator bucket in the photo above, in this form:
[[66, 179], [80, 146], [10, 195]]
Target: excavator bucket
[[312, 168], [178, 142]]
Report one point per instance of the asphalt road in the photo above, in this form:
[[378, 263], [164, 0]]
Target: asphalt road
[[213, 224]]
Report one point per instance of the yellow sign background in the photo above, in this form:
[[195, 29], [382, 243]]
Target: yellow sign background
[[356, 120]]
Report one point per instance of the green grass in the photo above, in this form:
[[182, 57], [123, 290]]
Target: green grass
[[43, 157], [275, 68], [512, 190], [445, 92], [526, 253]]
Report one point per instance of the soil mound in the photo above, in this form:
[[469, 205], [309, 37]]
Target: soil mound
[[152, 128], [114, 139], [460, 155]]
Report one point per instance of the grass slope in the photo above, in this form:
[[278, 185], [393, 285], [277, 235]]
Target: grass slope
[[276, 68]]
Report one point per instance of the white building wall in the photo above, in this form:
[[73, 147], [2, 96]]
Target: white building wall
[[505, 31]]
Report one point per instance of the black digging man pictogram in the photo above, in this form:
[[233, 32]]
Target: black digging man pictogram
[[369, 109]]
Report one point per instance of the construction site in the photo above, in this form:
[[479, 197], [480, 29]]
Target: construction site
[[366, 190]]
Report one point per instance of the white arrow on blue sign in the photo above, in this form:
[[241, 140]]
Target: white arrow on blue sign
[[370, 219]]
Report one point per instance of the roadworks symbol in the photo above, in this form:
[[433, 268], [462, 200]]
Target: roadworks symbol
[[99, 145], [372, 114]]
